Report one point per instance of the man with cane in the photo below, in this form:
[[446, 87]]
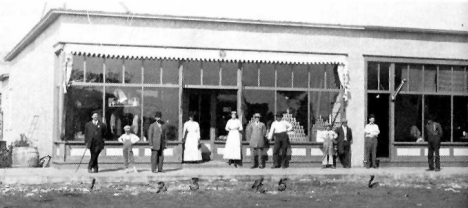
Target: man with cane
[[94, 134]]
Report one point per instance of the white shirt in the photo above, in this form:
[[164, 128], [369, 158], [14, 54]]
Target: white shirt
[[279, 127], [128, 139], [372, 130], [345, 131]]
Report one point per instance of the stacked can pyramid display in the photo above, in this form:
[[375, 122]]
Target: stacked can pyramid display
[[298, 133]]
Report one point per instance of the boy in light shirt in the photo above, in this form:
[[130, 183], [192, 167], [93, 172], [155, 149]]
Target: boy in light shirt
[[128, 139]]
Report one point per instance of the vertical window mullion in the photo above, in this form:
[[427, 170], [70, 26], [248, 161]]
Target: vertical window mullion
[[378, 76], [408, 77], [451, 105], [201, 73], [308, 105], [142, 97], [220, 74], [292, 76], [84, 68], [437, 79], [103, 114], [161, 71], [258, 74], [123, 71]]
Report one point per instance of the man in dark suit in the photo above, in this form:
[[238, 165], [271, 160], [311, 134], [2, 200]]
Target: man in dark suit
[[434, 133], [95, 132], [255, 133], [157, 142], [343, 143]]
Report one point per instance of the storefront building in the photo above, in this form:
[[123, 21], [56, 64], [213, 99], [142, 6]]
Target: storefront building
[[74, 63]]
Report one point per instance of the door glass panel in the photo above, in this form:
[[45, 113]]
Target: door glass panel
[[408, 118]]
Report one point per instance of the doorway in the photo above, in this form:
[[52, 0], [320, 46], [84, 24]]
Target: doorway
[[212, 109], [378, 104]]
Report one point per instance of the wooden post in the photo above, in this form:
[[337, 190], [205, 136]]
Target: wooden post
[[181, 87]]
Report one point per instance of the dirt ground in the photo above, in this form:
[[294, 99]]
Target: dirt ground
[[233, 193]]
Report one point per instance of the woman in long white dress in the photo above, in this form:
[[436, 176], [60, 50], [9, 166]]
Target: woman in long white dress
[[192, 152], [232, 150]]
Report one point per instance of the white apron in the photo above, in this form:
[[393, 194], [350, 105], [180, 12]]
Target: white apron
[[192, 152], [232, 150]]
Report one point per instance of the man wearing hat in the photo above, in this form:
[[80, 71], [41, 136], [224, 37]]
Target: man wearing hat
[[95, 131], [370, 144], [255, 133], [128, 139], [157, 142], [434, 133], [343, 143], [279, 129]]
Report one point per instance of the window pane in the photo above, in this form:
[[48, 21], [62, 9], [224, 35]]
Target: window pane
[[267, 75], [445, 78], [439, 108], [152, 71], [94, 69], [211, 73], [430, 81], [123, 107], [295, 104], [401, 73], [192, 72], [460, 119], [384, 76], [133, 71], [408, 118], [372, 76], [114, 70], [165, 100], [258, 101], [458, 79], [415, 77], [284, 75], [333, 82], [170, 72], [229, 74], [323, 108], [77, 74], [250, 75], [301, 76], [317, 76], [80, 103]]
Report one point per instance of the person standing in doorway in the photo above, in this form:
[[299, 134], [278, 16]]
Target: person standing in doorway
[[95, 131], [128, 139], [191, 132], [255, 133], [434, 133], [157, 142], [279, 129], [371, 133], [232, 150], [343, 143]]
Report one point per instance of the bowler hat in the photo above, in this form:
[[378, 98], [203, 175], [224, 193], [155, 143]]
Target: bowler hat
[[257, 115], [158, 114], [127, 127]]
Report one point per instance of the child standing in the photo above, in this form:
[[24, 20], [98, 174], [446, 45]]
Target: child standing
[[128, 139]]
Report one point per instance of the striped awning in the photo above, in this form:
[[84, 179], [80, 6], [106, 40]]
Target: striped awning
[[133, 52]]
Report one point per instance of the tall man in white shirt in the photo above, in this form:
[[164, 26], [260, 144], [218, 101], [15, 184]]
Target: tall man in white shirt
[[370, 150], [279, 129]]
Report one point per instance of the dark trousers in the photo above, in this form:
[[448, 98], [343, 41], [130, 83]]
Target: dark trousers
[[433, 146], [257, 156], [128, 155], [370, 151], [345, 156], [93, 162], [157, 159], [281, 144]]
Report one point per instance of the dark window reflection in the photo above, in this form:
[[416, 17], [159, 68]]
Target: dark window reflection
[[324, 106], [165, 100], [267, 75], [250, 75], [80, 104], [258, 101], [152, 71], [170, 72], [430, 78], [384, 76], [294, 103], [77, 73], [445, 78], [408, 118], [317, 76], [94, 69], [211, 73], [229, 74], [301, 76], [401, 72], [123, 107], [133, 71], [114, 70], [284, 75], [372, 75], [192, 74], [439, 108], [460, 119]]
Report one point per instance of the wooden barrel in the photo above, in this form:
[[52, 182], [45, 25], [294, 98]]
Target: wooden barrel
[[24, 157]]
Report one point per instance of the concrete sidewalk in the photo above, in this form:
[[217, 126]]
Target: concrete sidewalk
[[144, 175]]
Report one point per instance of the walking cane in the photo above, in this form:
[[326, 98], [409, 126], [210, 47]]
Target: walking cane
[[81, 160]]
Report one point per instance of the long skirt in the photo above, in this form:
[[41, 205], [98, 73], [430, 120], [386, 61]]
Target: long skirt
[[232, 150], [192, 152]]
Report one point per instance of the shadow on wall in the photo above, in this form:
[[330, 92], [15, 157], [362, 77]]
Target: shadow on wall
[[206, 152]]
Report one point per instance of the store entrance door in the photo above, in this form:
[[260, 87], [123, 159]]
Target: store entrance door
[[378, 104], [212, 109]]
